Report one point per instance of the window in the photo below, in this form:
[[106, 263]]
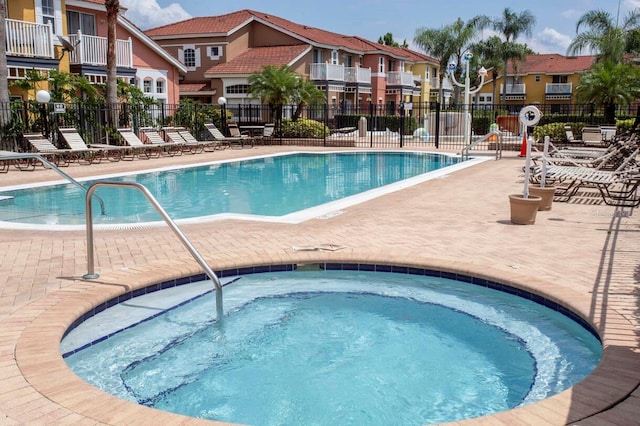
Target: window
[[215, 52], [317, 56], [392, 66], [334, 57], [347, 60], [146, 85], [560, 79], [83, 22], [381, 64], [160, 86], [237, 88], [50, 12], [190, 57], [537, 79]]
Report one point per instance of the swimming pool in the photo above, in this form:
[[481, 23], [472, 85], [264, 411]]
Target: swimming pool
[[285, 187], [439, 349]]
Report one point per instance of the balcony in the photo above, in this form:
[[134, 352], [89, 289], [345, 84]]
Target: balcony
[[513, 91], [357, 75], [92, 50], [327, 72], [401, 78], [29, 40], [558, 91]]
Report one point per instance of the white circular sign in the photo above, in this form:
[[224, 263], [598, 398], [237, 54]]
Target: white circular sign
[[530, 115]]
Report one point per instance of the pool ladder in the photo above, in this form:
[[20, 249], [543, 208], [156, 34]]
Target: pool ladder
[[183, 239]]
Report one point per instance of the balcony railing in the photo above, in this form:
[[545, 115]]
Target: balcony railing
[[559, 89], [29, 39], [92, 50], [357, 75], [327, 72], [513, 89], [401, 78]]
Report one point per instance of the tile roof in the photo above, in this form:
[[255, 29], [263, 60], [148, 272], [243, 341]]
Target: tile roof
[[194, 87], [225, 24], [254, 59], [552, 63]]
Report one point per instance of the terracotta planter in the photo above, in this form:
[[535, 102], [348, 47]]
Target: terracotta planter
[[523, 210], [546, 193]]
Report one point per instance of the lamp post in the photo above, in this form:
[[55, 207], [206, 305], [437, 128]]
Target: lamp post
[[222, 101], [43, 97], [482, 72]]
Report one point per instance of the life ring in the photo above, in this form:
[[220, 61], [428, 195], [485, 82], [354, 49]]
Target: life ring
[[530, 115]]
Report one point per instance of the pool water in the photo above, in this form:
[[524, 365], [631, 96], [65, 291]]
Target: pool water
[[336, 347], [272, 186]]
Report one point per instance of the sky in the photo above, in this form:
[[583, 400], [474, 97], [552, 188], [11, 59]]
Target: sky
[[371, 19]]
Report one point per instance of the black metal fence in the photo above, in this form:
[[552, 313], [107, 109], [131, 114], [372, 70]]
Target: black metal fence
[[368, 125]]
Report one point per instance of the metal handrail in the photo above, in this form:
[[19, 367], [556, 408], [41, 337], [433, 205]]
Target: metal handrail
[[24, 156], [183, 239], [465, 151]]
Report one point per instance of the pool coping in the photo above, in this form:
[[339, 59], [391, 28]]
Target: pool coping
[[40, 362]]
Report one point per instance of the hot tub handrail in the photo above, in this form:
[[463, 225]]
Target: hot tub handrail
[[90, 249], [27, 155], [465, 150]]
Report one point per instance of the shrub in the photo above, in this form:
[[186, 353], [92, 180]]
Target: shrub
[[624, 125], [554, 130], [303, 128]]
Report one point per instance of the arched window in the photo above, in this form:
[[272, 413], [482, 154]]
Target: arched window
[[160, 86], [190, 57], [147, 85]]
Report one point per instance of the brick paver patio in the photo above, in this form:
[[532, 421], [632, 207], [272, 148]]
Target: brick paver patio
[[583, 253]]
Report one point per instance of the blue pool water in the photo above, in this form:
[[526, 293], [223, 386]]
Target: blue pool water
[[273, 186], [333, 347]]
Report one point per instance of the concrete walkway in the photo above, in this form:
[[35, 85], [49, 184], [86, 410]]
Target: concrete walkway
[[583, 254]]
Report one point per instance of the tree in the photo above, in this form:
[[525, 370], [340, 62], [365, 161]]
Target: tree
[[388, 40], [306, 93], [608, 84], [511, 25], [604, 37], [492, 53], [113, 8], [274, 86], [448, 42]]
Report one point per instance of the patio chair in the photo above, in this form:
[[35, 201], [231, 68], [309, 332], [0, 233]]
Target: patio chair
[[138, 148], [192, 141], [41, 145], [267, 133], [10, 158], [245, 138], [154, 138], [592, 136], [174, 134], [87, 153], [221, 139], [570, 138]]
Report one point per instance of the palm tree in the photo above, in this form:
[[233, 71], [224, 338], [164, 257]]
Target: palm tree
[[604, 37], [306, 93], [608, 84], [275, 87], [447, 42], [511, 25], [492, 53], [113, 8]]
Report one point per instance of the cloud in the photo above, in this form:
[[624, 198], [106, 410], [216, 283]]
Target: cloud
[[149, 14], [549, 40]]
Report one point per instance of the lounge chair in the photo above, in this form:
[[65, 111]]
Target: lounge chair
[[41, 145], [245, 138], [217, 135], [11, 158], [173, 134], [192, 141], [267, 133], [592, 136], [138, 148], [570, 138], [88, 153], [154, 138]]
